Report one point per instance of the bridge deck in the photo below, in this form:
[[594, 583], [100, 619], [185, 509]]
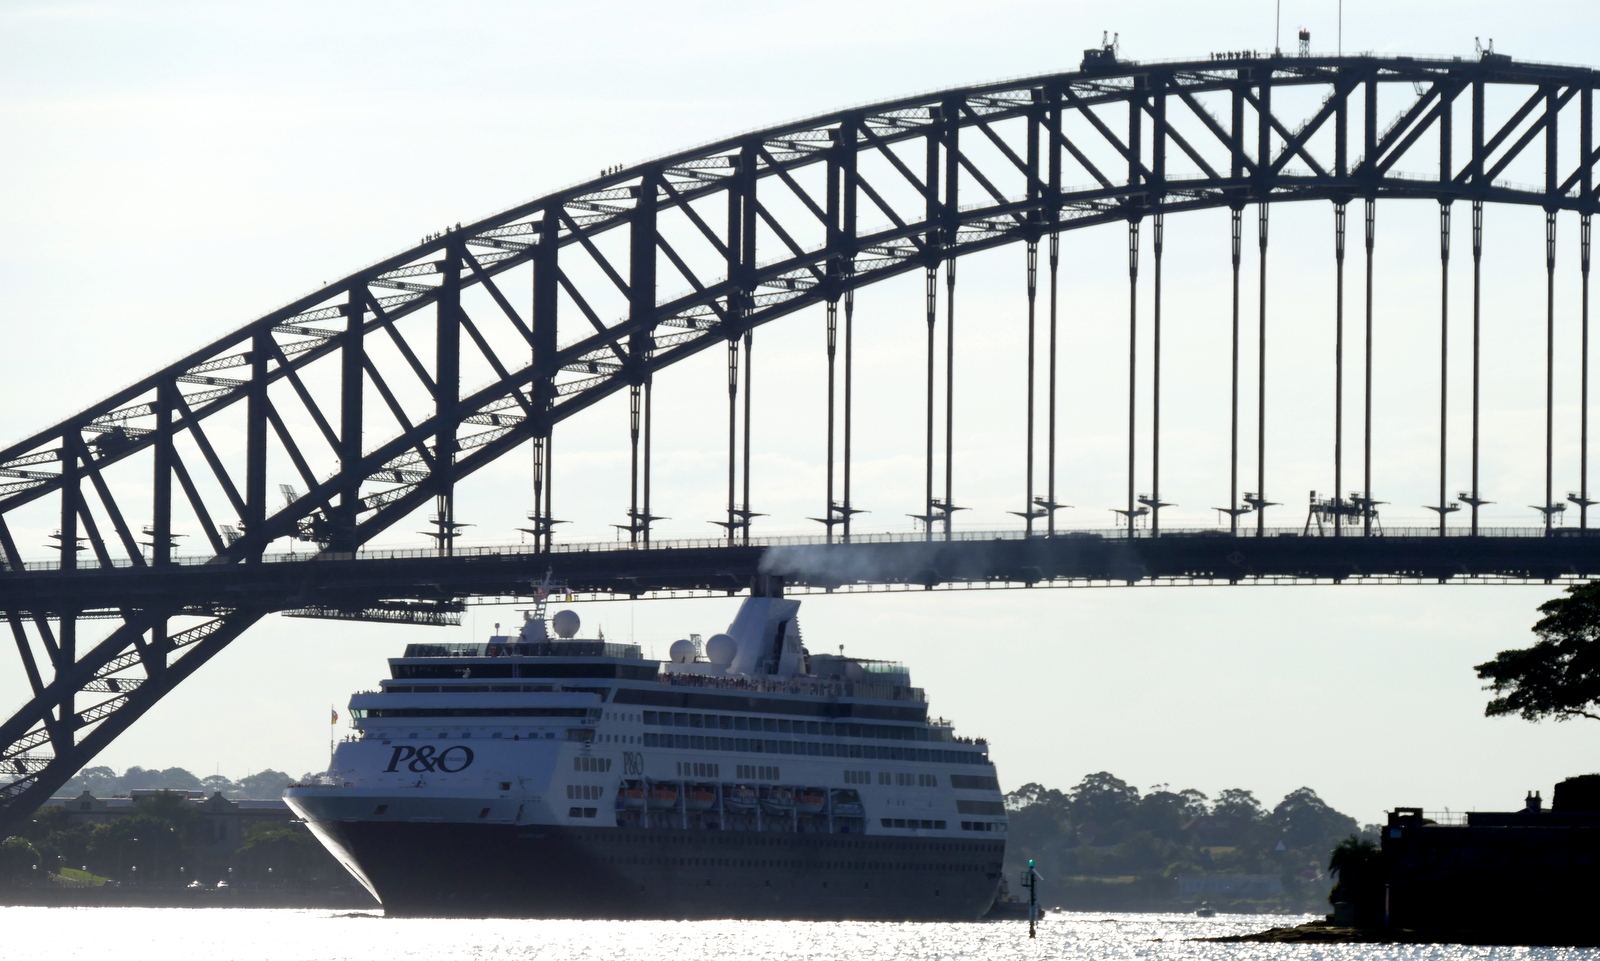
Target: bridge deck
[[345, 581]]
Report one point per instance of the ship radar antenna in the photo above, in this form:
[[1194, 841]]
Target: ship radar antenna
[[541, 596], [534, 627]]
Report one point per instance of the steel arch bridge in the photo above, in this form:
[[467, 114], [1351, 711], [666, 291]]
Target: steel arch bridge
[[381, 392]]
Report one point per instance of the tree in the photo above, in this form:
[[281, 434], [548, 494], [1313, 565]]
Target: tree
[[1033, 793], [290, 851], [1358, 866], [265, 784], [1558, 677], [1166, 813], [100, 781], [1307, 821], [172, 779], [1104, 798], [1234, 820], [19, 861], [69, 847], [217, 783], [1238, 804]]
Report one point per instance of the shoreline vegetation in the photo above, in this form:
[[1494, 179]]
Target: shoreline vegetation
[[1103, 845], [169, 838]]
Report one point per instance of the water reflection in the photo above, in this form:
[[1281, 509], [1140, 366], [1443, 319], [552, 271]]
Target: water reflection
[[147, 934]]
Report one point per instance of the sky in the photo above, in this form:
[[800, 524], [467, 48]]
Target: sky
[[174, 170]]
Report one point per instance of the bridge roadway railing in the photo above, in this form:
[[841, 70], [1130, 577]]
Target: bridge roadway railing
[[333, 581], [89, 564]]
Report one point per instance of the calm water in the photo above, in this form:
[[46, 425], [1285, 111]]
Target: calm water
[[137, 934]]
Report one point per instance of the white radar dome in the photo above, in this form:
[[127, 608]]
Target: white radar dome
[[566, 623], [682, 652], [720, 649]]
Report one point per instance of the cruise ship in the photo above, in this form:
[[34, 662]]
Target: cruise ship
[[541, 775]]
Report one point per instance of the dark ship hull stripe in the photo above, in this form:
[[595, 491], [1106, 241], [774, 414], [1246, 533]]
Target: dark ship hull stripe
[[542, 871]]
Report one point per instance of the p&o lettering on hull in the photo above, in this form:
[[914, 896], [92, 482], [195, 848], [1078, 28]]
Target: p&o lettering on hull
[[427, 759]]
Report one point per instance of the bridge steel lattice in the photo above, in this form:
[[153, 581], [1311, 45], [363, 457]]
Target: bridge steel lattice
[[380, 393]]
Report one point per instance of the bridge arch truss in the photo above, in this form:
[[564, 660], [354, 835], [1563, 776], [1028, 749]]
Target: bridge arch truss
[[379, 393]]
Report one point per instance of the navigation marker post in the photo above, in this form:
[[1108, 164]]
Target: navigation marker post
[[1028, 881], [333, 735]]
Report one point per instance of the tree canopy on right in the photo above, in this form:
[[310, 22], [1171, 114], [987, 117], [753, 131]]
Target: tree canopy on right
[[1559, 676]]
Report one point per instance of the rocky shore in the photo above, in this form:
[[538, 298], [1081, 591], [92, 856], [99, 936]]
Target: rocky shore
[[1325, 932]]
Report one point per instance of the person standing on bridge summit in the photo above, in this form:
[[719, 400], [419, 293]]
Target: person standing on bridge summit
[[1558, 677]]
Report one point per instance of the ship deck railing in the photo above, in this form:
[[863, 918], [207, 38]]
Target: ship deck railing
[[878, 692]]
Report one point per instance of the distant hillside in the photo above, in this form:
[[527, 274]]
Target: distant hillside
[[105, 782]]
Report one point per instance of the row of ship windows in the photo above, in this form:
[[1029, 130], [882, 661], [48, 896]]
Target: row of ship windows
[[791, 840], [376, 713], [787, 865], [700, 742], [898, 779], [782, 725], [694, 769], [583, 735], [914, 824], [771, 772]]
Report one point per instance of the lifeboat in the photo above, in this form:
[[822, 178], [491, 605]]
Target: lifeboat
[[740, 798], [811, 801], [663, 796], [778, 800], [847, 804], [699, 797], [631, 794]]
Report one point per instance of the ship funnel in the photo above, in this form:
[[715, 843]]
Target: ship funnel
[[767, 633]]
